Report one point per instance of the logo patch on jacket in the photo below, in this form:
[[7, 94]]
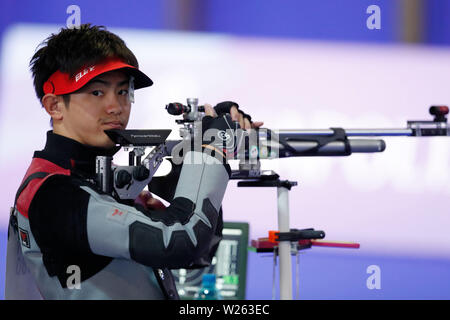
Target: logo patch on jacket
[[117, 215], [24, 238]]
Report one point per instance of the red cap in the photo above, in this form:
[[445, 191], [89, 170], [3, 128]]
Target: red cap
[[61, 83]]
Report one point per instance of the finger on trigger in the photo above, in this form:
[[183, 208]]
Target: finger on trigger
[[257, 124]]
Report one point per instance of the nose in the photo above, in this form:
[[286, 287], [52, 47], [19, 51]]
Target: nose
[[114, 104]]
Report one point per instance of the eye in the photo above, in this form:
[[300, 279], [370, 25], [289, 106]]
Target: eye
[[123, 92], [97, 93]]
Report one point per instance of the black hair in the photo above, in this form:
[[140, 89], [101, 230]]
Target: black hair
[[72, 49]]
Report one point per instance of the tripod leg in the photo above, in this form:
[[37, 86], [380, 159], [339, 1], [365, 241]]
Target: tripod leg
[[297, 272], [274, 272], [284, 247]]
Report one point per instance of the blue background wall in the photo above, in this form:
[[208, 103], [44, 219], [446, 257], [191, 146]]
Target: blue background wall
[[324, 19]]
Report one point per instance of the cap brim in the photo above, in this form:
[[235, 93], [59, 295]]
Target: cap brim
[[141, 80], [62, 83]]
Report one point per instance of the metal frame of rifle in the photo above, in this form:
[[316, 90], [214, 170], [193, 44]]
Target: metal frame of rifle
[[127, 182], [328, 142]]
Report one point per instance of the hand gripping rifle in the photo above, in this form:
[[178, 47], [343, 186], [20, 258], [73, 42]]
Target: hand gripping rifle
[[127, 182]]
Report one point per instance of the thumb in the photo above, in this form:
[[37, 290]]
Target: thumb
[[143, 198]]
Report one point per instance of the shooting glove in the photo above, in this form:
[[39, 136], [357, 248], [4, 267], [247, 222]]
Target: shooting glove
[[225, 107], [221, 136]]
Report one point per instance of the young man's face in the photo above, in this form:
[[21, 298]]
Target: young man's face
[[100, 105]]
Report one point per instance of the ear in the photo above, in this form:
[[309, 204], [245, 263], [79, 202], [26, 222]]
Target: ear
[[53, 105]]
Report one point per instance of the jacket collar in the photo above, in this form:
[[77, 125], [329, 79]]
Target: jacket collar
[[70, 154]]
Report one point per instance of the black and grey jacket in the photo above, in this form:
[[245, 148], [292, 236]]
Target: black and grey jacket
[[62, 224]]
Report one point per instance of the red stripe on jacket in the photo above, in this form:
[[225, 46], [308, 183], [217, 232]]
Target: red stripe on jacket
[[27, 195]]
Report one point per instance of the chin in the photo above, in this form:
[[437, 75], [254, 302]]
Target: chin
[[104, 142], [109, 144]]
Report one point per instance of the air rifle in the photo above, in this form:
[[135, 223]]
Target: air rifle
[[127, 182]]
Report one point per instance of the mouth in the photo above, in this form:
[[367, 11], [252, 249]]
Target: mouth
[[114, 125]]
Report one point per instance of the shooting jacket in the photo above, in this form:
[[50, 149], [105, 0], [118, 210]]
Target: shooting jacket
[[69, 240]]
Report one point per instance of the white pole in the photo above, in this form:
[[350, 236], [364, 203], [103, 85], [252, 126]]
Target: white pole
[[284, 247]]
